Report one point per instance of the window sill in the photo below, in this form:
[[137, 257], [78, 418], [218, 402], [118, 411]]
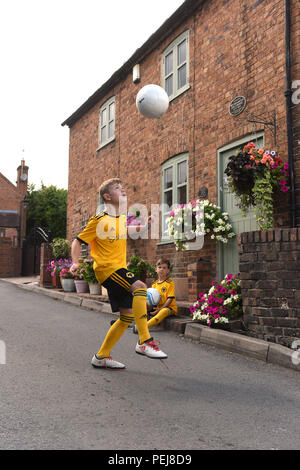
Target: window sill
[[179, 92], [164, 242], [109, 141]]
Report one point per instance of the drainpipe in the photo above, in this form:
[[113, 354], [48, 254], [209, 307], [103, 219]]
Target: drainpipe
[[288, 95]]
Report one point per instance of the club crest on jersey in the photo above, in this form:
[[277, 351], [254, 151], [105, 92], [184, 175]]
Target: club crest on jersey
[[130, 275], [164, 289]]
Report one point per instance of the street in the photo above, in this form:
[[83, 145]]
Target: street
[[52, 398]]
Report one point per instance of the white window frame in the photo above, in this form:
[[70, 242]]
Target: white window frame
[[105, 108], [173, 163], [173, 48]]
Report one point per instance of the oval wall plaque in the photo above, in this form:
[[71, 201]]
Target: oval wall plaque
[[237, 105]]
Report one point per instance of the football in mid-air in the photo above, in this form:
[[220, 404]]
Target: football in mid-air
[[153, 297], [152, 101]]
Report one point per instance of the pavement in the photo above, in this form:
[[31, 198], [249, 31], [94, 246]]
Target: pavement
[[182, 324]]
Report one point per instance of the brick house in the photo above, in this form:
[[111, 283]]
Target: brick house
[[12, 221], [208, 55]]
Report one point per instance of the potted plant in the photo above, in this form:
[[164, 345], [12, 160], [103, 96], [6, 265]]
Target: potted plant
[[61, 248], [67, 279], [205, 218], [141, 268], [81, 284], [221, 304], [54, 267], [90, 277], [61, 251], [254, 175]]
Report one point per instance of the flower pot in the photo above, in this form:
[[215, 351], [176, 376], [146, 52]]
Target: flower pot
[[82, 287], [68, 285], [95, 289]]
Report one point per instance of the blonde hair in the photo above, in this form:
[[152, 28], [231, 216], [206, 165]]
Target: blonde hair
[[105, 186]]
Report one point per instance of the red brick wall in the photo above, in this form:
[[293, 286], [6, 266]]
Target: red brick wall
[[10, 265], [236, 48], [10, 197]]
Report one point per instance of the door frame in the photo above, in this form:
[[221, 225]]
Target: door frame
[[225, 148]]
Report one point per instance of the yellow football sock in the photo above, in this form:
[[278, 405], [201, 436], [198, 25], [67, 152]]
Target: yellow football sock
[[139, 310], [114, 334], [159, 317]]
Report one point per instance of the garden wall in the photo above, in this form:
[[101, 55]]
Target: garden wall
[[270, 283]]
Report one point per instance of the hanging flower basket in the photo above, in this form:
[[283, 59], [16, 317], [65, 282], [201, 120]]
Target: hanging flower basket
[[254, 175], [205, 218]]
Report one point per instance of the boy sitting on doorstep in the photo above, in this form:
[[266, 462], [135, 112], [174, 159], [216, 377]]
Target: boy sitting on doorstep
[[166, 287]]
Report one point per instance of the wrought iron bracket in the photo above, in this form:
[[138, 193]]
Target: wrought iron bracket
[[261, 120]]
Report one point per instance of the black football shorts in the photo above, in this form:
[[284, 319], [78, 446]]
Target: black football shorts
[[118, 285]]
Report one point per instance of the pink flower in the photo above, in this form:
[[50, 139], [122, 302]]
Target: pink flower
[[282, 182], [284, 189], [172, 213], [285, 166]]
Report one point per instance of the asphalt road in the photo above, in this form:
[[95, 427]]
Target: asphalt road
[[52, 398]]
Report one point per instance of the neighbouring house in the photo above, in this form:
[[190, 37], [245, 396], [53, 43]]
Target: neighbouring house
[[230, 77], [12, 222]]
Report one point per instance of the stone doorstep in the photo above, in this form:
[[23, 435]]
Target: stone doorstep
[[251, 347]]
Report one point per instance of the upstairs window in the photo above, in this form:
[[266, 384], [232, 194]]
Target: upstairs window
[[107, 122], [175, 68]]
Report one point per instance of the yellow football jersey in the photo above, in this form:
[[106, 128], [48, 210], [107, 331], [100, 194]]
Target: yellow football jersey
[[107, 235], [167, 291]]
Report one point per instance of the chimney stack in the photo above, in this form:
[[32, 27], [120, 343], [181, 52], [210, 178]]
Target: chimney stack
[[22, 177]]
